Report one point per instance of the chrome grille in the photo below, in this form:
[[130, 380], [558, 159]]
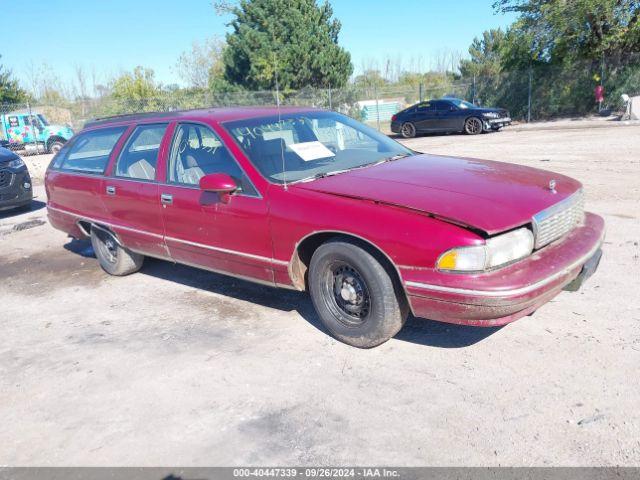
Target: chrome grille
[[559, 219], [5, 178]]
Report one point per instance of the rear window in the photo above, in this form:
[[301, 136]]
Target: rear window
[[90, 151]]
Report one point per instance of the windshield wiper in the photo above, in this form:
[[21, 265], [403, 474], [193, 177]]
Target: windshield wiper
[[395, 157], [320, 175]]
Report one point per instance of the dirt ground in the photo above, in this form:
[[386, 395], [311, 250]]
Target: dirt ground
[[175, 366]]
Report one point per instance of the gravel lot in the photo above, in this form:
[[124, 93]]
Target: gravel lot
[[175, 366]]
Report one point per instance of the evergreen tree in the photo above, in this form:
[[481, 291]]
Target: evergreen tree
[[10, 91], [293, 40]]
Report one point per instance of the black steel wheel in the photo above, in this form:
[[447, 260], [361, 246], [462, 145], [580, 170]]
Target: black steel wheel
[[356, 296], [346, 294]]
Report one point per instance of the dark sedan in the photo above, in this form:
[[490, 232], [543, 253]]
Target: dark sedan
[[15, 182], [448, 115]]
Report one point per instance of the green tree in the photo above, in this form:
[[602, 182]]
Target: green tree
[[295, 41], [485, 55], [585, 29], [10, 91], [136, 91], [137, 85], [370, 79]]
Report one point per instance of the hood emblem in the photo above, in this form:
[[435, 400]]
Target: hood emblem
[[552, 186]]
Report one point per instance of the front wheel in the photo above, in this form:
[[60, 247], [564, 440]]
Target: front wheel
[[356, 298], [473, 126], [113, 257]]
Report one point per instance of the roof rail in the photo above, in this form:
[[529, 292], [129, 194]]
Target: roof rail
[[135, 116]]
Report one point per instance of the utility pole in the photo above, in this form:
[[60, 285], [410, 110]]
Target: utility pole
[[529, 97]]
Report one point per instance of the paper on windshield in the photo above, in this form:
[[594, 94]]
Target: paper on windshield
[[308, 151]]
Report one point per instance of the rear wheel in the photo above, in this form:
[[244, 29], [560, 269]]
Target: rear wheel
[[55, 147], [408, 130], [114, 258], [473, 126], [356, 298]]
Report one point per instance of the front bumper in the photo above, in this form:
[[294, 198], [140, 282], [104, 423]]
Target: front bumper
[[507, 294], [495, 123], [12, 191]]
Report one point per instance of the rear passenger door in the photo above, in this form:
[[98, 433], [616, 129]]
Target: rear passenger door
[[202, 230], [75, 179], [425, 117], [130, 192]]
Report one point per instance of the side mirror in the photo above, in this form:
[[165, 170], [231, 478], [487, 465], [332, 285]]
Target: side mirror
[[220, 183]]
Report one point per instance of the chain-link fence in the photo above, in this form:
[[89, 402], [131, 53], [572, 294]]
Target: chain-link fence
[[536, 93]]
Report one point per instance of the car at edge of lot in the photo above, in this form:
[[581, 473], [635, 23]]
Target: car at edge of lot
[[32, 132], [16, 190], [312, 200], [448, 115]]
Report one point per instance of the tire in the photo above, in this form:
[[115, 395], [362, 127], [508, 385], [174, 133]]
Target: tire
[[473, 126], [369, 308], [408, 130], [114, 259], [54, 147]]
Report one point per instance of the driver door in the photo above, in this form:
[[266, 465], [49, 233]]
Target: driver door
[[200, 228]]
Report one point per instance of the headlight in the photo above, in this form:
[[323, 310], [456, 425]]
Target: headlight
[[491, 114], [496, 251], [16, 163]]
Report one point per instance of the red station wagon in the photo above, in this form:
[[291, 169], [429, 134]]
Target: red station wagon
[[312, 200]]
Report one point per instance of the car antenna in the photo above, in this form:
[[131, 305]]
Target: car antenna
[[275, 70]]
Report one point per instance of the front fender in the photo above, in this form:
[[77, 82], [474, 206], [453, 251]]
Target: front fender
[[409, 239]]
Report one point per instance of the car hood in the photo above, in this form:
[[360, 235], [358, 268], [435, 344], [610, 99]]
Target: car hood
[[59, 130], [481, 194], [6, 155], [501, 111]]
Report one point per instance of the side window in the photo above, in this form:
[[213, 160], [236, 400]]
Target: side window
[[139, 156], [425, 107], [13, 122], [197, 151], [58, 158], [90, 151], [442, 106]]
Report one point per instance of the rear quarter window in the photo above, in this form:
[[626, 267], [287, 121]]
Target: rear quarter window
[[90, 151]]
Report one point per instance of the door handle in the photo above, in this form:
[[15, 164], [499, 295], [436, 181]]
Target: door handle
[[111, 190], [166, 198]]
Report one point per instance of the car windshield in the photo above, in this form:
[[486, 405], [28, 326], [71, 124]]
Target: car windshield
[[43, 119], [461, 103], [311, 145]]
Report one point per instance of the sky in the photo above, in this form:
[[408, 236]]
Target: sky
[[111, 36]]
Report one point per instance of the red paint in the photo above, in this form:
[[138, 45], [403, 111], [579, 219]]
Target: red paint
[[491, 196], [411, 210], [217, 182]]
